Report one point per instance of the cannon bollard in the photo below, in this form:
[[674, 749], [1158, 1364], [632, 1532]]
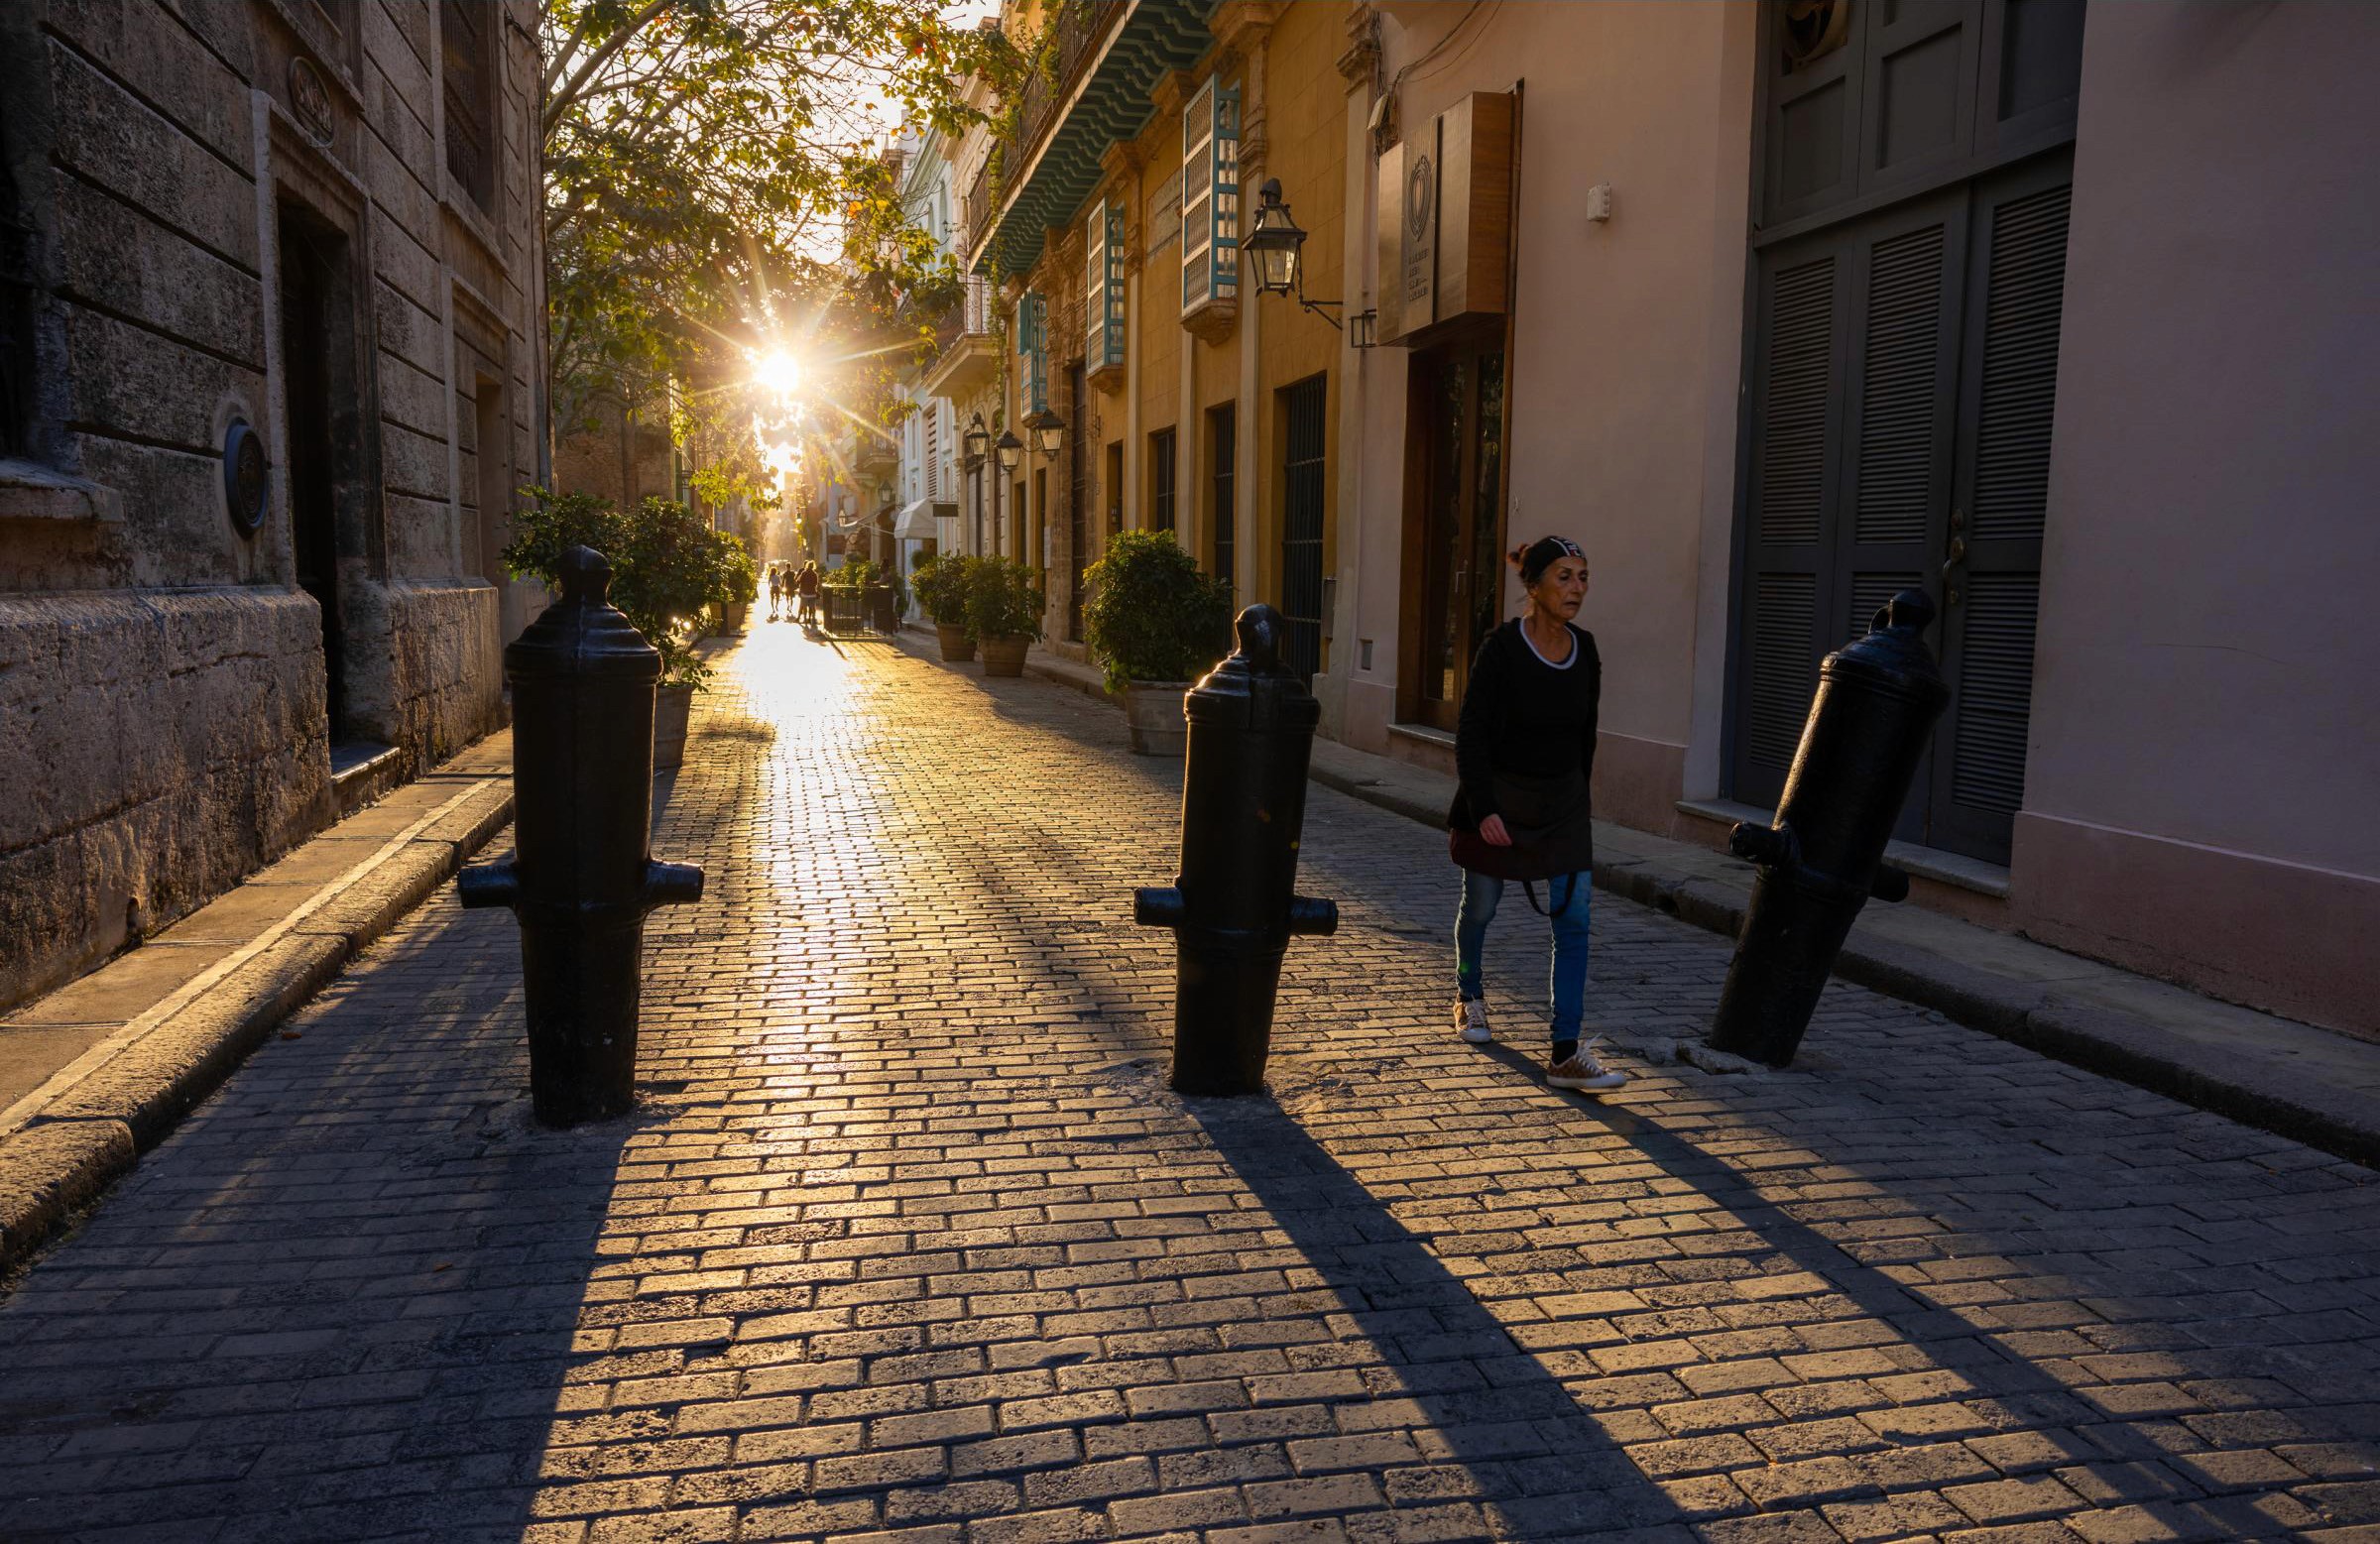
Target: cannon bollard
[[582, 877], [1877, 700], [1234, 907]]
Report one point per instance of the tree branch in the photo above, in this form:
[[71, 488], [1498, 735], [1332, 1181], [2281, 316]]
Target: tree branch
[[560, 102]]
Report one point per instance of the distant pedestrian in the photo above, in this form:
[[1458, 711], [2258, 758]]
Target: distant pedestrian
[[777, 591], [807, 585], [1525, 749]]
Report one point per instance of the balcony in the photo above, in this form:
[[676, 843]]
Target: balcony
[[1111, 54], [968, 357]]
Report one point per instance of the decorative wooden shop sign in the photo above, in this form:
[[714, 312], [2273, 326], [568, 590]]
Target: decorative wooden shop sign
[[1446, 220]]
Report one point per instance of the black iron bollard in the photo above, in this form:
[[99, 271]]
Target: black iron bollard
[[1877, 700], [582, 877], [1235, 905]]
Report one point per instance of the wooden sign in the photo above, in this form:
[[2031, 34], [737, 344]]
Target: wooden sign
[[1446, 220]]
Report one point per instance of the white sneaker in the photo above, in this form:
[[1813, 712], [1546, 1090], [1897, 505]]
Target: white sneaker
[[1583, 1071], [1471, 1022]]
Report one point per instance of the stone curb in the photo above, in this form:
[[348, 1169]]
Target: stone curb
[[2118, 1045], [96, 1129], [2131, 1049]]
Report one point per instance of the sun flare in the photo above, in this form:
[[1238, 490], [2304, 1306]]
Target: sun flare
[[777, 372]]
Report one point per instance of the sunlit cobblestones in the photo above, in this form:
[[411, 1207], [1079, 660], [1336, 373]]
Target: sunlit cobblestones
[[909, 1236]]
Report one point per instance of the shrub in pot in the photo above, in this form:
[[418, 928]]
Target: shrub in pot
[[1157, 624], [668, 566], [743, 586], [941, 585], [1003, 613]]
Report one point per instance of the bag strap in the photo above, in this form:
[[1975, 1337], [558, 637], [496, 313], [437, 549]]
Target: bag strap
[[1528, 887]]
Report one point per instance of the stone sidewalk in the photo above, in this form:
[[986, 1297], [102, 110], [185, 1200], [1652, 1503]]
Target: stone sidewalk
[[100, 1070], [907, 1236]]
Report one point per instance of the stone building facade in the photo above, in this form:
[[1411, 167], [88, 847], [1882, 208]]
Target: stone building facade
[[268, 301]]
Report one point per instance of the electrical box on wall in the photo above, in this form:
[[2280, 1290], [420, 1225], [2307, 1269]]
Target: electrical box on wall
[[1445, 219]]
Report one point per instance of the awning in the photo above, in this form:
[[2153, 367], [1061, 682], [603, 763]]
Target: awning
[[915, 522]]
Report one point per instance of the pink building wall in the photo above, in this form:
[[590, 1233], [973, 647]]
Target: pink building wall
[[2205, 730], [1622, 378]]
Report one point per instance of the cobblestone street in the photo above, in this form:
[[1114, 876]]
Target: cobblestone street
[[909, 1237]]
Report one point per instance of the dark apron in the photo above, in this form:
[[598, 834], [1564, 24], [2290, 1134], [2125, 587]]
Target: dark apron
[[1552, 825]]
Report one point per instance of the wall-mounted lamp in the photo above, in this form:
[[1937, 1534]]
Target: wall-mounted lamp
[[1274, 246]]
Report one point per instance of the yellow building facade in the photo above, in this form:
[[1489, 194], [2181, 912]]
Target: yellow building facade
[[1181, 404]]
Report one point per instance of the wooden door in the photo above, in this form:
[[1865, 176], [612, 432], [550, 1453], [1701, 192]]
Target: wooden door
[[1460, 391]]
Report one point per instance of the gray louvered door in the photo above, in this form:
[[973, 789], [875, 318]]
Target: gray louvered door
[[1991, 580], [1855, 382], [1794, 479]]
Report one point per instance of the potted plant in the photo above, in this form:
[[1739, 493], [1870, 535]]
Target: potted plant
[[941, 585], [743, 587], [667, 565], [1156, 624], [1003, 613]]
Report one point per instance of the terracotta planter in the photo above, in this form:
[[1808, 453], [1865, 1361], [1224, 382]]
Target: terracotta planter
[[737, 611], [1004, 655], [669, 713], [1153, 714], [957, 646]]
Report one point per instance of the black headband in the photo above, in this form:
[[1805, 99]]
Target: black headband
[[1540, 556]]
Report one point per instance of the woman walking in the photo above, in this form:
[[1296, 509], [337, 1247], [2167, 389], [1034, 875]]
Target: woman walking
[[1524, 747]]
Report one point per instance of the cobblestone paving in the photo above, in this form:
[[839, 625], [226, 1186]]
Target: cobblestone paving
[[909, 1238]]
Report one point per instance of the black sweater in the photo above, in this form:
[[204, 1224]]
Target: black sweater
[[1521, 715]]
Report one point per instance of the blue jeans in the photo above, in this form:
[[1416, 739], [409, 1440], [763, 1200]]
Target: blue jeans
[[1481, 894]]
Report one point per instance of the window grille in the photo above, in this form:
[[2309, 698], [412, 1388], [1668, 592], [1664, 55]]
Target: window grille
[[467, 34]]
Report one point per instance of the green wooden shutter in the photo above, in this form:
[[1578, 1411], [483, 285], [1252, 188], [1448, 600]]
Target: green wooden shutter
[[1211, 196], [1223, 248], [1032, 343], [1103, 286], [1111, 286]]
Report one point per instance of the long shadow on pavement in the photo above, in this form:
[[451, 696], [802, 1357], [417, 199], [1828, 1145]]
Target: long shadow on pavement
[[340, 1302]]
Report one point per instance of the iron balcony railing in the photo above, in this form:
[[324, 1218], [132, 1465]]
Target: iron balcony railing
[[1080, 30]]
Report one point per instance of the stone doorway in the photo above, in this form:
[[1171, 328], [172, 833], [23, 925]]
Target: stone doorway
[[317, 366]]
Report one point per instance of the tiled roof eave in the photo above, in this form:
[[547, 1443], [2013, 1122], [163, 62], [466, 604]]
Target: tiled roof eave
[[1113, 105]]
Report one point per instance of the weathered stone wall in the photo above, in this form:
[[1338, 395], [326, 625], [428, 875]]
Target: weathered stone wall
[[447, 665], [159, 745], [165, 685]]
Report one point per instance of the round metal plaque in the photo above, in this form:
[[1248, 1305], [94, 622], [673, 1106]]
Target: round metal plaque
[[247, 477], [309, 102], [1421, 187]]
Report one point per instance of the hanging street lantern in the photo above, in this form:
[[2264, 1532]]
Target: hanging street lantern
[[1276, 242], [977, 439], [1049, 434], [1009, 450]]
